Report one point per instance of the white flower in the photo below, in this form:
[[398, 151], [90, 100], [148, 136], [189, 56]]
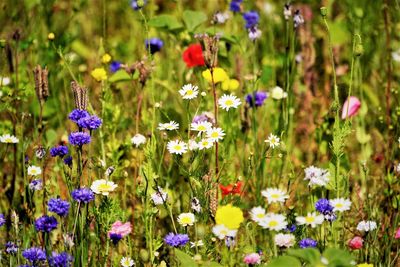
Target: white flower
[[186, 219], [201, 126], [193, 145], [4, 81], [366, 226], [221, 17], [312, 219], [340, 204], [189, 91], [127, 262], [274, 195], [177, 147], [254, 33], [278, 93], [273, 141], [221, 231], [397, 168], [215, 134], [103, 187], [169, 126], [229, 101], [198, 243], [138, 140], [316, 176], [273, 221], [205, 144], [284, 240], [257, 214], [396, 55], [11, 139], [159, 197], [34, 170]]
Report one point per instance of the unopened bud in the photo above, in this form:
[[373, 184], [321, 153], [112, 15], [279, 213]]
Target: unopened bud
[[324, 11]]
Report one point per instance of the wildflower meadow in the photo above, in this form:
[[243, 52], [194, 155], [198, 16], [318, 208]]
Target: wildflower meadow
[[199, 133]]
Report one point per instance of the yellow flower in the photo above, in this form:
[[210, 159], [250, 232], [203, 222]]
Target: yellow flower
[[106, 58], [219, 75], [99, 74], [365, 265], [229, 216], [51, 36], [230, 85]]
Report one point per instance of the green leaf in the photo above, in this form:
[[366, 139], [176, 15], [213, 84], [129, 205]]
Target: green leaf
[[338, 257], [120, 75], [168, 22], [284, 261], [211, 264], [310, 255], [193, 19], [184, 259]]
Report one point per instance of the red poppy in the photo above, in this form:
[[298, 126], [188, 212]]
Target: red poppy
[[193, 56], [233, 189]]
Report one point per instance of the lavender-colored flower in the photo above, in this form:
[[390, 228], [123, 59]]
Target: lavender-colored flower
[[68, 161], [330, 216], [90, 122], [254, 33], [235, 5], [205, 116], [34, 254], [115, 66], [2, 220], [256, 99], [307, 243], [291, 228], [298, 19], [252, 18], [136, 6], [195, 205], [62, 259], [58, 206], [79, 138], [46, 223], [26, 265], [11, 247], [77, 114], [229, 241], [176, 240], [36, 185], [60, 151], [155, 44], [83, 195], [40, 152], [323, 206], [115, 238]]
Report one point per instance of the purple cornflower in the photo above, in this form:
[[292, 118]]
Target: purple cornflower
[[252, 18], [77, 114], [176, 240], [256, 99], [36, 185], [323, 206], [291, 228], [115, 66], [2, 220], [83, 195], [62, 259], [46, 223], [235, 5], [307, 243], [115, 238], [155, 44], [68, 161], [79, 138], [34, 254], [11, 248], [136, 6], [90, 122], [205, 116], [58, 206], [60, 151]]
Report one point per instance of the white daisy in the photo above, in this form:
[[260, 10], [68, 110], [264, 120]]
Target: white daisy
[[169, 126], [257, 214], [317, 176], [229, 101], [189, 91], [193, 145], [273, 141], [103, 187], [4, 81], [274, 195], [366, 226], [312, 219], [10, 139], [198, 243], [177, 147], [205, 144], [273, 221], [159, 197], [284, 240], [186, 219], [221, 231], [127, 262], [215, 134], [138, 140], [201, 126], [340, 204], [34, 170], [278, 93]]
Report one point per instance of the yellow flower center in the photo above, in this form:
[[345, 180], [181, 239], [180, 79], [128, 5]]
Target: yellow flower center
[[339, 205], [186, 220], [105, 187], [189, 92], [214, 135], [310, 219], [178, 147], [201, 128], [229, 102], [224, 232], [8, 140], [273, 223], [260, 215], [275, 196]]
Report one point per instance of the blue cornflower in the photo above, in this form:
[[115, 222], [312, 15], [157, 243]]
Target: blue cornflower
[[256, 99], [2, 220], [46, 223], [90, 122], [155, 44], [83, 195], [60, 151], [251, 18], [62, 259], [58, 206], [79, 138], [34, 254], [235, 5], [77, 114], [115, 66], [36, 185], [176, 240], [307, 243], [138, 4], [115, 238], [68, 161], [291, 228], [11, 247], [323, 206]]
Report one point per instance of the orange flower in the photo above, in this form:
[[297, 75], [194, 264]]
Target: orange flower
[[234, 189]]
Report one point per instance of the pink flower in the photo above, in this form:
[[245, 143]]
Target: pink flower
[[252, 258], [120, 228], [397, 235], [356, 243], [350, 107]]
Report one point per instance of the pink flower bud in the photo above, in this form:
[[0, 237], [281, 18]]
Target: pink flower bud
[[356, 243], [252, 258], [350, 107], [120, 228], [397, 235]]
